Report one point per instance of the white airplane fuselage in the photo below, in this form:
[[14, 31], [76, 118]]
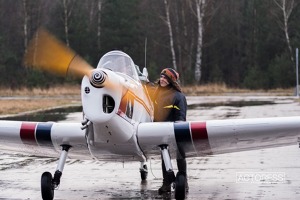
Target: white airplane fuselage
[[115, 111]]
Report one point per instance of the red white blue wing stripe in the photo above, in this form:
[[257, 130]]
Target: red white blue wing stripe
[[32, 133], [191, 137], [27, 133], [200, 137], [43, 134], [43, 138]]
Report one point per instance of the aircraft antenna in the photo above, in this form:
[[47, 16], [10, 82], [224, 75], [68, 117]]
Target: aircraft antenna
[[145, 52]]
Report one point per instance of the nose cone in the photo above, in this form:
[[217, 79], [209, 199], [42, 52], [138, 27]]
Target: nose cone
[[101, 94], [98, 78]]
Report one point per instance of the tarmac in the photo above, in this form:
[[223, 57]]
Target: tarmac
[[260, 174]]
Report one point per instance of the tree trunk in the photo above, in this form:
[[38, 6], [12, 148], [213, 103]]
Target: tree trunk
[[99, 23], [286, 11], [66, 24], [25, 25], [200, 5], [170, 35]]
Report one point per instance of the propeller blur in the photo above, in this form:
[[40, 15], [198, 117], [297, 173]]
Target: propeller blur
[[47, 53]]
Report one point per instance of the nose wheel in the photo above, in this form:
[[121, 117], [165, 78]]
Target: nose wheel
[[48, 184]]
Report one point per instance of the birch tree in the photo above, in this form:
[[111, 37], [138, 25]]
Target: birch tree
[[168, 21], [94, 8], [99, 22], [200, 6], [67, 13], [184, 40], [286, 6], [25, 25]]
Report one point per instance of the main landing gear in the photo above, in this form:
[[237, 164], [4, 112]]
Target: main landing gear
[[49, 184], [179, 182]]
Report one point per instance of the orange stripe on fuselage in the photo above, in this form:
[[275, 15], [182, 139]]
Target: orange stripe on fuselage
[[131, 95]]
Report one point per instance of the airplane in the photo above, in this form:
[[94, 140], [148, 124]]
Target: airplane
[[118, 125]]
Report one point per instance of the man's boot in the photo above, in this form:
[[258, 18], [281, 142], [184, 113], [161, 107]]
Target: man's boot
[[165, 188]]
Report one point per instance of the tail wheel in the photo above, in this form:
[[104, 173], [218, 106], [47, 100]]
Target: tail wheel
[[47, 187], [180, 186], [144, 173]]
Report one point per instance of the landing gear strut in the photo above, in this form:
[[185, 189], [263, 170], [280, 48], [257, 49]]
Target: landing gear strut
[[49, 184], [167, 160], [180, 180], [143, 171]]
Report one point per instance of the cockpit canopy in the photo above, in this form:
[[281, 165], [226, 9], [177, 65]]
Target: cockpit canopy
[[119, 61]]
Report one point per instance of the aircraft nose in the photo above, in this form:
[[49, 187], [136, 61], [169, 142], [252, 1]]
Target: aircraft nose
[[101, 95]]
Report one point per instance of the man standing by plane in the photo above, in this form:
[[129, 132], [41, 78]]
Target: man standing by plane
[[170, 106]]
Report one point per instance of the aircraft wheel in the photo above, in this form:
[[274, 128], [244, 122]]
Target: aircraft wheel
[[144, 173], [180, 186], [47, 186]]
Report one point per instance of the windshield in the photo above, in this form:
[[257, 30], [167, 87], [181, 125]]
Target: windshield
[[118, 61]]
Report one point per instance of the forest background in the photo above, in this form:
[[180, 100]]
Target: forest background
[[239, 43]]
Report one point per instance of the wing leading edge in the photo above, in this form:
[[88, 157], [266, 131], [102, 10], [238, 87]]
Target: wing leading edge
[[43, 138], [199, 138]]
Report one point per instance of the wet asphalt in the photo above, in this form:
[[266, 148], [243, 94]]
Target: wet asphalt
[[259, 174]]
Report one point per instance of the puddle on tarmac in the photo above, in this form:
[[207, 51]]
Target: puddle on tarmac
[[231, 104], [57, 114]]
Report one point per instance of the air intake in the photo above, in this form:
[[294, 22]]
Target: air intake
[[108, 104]]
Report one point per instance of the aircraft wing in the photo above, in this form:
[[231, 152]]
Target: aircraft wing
[[43, 138], [195, 138], [200, 138]]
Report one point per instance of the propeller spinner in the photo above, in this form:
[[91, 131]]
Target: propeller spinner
[[47, 53]]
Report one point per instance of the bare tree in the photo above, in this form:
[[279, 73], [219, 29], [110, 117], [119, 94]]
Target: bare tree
[[94, 9], [183, 37], [67, 14], [25, 25], [168, 21], [286, 6], [99, 22], [200, 6]]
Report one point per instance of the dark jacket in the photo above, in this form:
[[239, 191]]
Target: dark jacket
[[169, 105]]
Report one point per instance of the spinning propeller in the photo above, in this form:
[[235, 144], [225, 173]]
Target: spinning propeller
[[47, 53]]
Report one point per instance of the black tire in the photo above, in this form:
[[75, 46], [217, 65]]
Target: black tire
[[47, 186], [144, 174], [180, 186]]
